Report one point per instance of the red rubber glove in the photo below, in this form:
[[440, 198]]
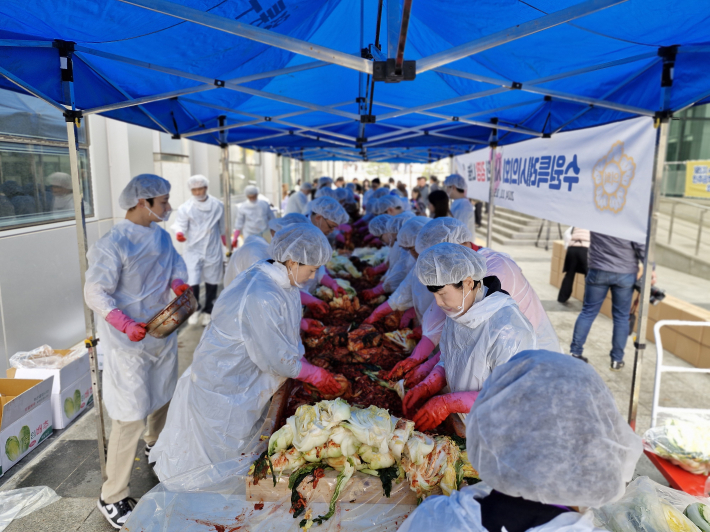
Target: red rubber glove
[[318, 307], [179, 287], [373, 292], [121, 322], [180, 237], [372, 271], [224, 240], [407, 318], [318, 377], [335, 287], [235, 239], [377, 242], [344, 228], [423, 391], [312, 327], [379, 313], [419, 373], [418, 356], [437, 408]]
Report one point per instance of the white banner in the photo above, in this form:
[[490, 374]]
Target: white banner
[[597, 178]]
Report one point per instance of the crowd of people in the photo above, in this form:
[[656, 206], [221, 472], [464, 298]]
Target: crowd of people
[[486, 338]]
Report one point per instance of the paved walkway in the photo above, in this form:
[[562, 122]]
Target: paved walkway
[[69, 462]]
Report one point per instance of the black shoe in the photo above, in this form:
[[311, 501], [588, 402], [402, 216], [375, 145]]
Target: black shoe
[[148, 448], [616, 365], [117, 513], [580, 357]]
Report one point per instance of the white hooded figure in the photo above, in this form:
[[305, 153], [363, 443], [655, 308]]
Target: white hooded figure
[[253, 215], [132, 269], [248, 351], [63, 198], [461, 208], [298, 200]]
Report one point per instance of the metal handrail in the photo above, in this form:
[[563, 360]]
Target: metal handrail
[[703, 209], [660, 369]]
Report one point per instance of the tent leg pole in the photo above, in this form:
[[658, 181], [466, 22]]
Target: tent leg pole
[[491, 194], [227, 192], [641, 324], [91, 339]]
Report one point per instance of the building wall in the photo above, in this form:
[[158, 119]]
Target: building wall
[[41, 298]]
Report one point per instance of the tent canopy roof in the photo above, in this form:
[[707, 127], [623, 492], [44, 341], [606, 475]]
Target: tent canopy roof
[[286, 75]]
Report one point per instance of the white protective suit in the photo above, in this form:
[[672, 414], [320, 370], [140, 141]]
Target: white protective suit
[[254, 249], [131, 268], [296, 202], [202, 222], [401, 262], [412, 293], [462, 210], [253, 218]]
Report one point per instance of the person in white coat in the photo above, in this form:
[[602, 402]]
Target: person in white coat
[[541, 422], [199, 224], [298, 200], [461, 207], [132, 269], [253, 216], [484, 328], [247, 352]]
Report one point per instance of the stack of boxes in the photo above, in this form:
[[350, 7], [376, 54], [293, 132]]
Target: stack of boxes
[[692, 344]]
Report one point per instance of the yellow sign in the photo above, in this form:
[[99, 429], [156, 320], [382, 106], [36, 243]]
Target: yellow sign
[[697, 179]]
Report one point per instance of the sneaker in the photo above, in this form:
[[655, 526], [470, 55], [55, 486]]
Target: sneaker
[[580, 357], [616, 365], [206, 319], [194, 319], [117, 513], [148, 448]]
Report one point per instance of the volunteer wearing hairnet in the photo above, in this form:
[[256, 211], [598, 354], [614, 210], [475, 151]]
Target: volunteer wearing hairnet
[[255, 248], [199, 224], [499, 264], [545, 437], [246, 353], [298, 200], [484, 328], [461, 207], [132, 269], [62, 196], [253, 215]]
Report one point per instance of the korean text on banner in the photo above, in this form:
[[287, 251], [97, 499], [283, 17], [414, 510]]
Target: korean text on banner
[[697, 179], [597, 178]]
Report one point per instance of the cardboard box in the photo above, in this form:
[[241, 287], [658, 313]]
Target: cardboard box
[[26, 418], [71, 392], [695, 333], [554, 278], [669, 338], [704, 358], [669, 309], [687, 349]]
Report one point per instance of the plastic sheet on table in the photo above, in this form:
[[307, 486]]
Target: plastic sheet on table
[[18, 503], [684, 442], [44, 357], [214, 498]]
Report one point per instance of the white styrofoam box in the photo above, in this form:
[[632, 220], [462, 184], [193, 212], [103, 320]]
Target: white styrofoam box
[[72, 401], [26, 417], [63, 377]]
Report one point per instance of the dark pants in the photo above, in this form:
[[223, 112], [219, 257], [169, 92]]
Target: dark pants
[[478, 213], [210, 296], [575, 262]]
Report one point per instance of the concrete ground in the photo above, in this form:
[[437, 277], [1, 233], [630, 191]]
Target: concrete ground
[[68, 462]]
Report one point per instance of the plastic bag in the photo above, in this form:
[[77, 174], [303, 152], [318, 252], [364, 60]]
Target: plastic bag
[[15, 504], [648, 507], [684, 443], [44, 357]]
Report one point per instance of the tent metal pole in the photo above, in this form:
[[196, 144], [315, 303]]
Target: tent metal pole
[[648, 262], [492, 184], [226, 188]]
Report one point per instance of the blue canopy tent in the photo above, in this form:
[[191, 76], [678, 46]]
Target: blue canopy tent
[[374, 80]]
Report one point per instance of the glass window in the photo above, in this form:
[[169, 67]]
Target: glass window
[[35, 184], [244, 169]]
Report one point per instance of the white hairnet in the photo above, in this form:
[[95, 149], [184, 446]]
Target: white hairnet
[[302, 243], [329, 209], [341, 194], [389, 201], [351, 187], [407, 235], [448, 263], [378, 224], [277, 224], [455, 180], [143, 186], [197, 181], [394, 225], [442, 230], [380, 205], [251, 190], [545, 427], [60, 179], [306, 186], [380, 192], [325, 181], [326, 191]]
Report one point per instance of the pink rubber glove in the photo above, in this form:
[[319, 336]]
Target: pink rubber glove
[[419, 373], [335, 287], [379, 313], [372, 271], [377, 242], [224, 240], [235, 239], [180, 237], [424, 390], [318, 307], [369, 238], [318, 377], [407, 318], [312, 327], [437, 408], [360, 223], [121, 322], [373, 292], [340, 238], [344, 228], [179, 286], [419, 355]]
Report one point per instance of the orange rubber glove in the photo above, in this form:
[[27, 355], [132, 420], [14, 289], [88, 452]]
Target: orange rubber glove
[[376, 270], [318, 377], [235, 239], [434, 412], [180, 237], [312, 327], [418, 356], [424, 390], [419, 373], [379, 313], [373, 292], [179, 286]]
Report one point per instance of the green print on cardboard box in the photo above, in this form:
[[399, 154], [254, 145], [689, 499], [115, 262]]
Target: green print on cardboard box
[[72, 405]]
